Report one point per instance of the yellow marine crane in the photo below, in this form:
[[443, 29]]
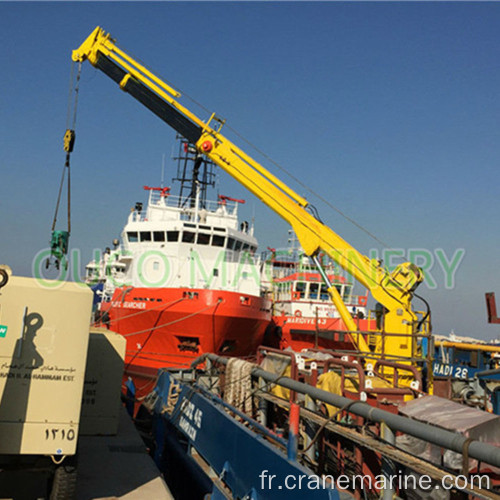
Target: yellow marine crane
[[400, 326]]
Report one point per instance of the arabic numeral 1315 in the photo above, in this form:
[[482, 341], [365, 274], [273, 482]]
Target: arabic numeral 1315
[[53, 434]]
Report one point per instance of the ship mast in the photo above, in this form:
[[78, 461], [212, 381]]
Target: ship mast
[[195, 172]]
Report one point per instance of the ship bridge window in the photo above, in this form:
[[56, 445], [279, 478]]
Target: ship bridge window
[[203, 239], [300, 288], [132, 237], [172, 236], [223, 229], [246, 246], [186, 224], [230, 243], [217, 240], [324, 293], [145, 236], [158, 235], [313, 291], [237, 245], [205, 227], [188, 237]]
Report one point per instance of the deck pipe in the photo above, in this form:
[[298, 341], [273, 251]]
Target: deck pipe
[[435, 435], [487, 373]]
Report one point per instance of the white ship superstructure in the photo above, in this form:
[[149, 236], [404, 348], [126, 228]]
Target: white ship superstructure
[[173, 245]]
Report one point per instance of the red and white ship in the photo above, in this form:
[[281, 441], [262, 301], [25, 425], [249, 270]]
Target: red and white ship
[[304, 316], [185, 279]]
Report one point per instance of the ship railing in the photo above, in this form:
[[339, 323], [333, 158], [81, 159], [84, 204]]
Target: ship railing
[[306, 367], [361, 438], [323, 300], [420, 339], [222, 208]]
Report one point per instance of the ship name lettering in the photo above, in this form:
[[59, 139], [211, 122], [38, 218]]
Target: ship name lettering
[[135, 305], [187, 408], [191, 414], [446, 370], [306, 321], [186, 426]]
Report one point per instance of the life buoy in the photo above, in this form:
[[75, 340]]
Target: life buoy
[[295, 295], [298, 314], [362, 300]]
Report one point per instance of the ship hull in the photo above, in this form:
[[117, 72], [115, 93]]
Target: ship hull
[[170, 327], [298, 333]]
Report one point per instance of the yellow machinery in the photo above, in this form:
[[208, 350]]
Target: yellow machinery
[[400, 326]]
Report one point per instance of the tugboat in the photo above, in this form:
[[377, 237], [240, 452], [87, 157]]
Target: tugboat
[[304, 316], [184, 280]]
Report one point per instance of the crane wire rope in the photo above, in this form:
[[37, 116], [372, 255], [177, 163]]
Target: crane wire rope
[[59, 241], [287, 172], [352, 263], [284, 170], [275, 163], [70, 125], [313, 209]]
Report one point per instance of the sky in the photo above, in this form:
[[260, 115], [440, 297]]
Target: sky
[[390, 111]]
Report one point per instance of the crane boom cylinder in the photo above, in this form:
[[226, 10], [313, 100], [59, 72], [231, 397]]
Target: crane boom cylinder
[[156, 104], [334, 294]]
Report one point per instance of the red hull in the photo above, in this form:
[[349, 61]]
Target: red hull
[[301, 333], [170, 327]]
